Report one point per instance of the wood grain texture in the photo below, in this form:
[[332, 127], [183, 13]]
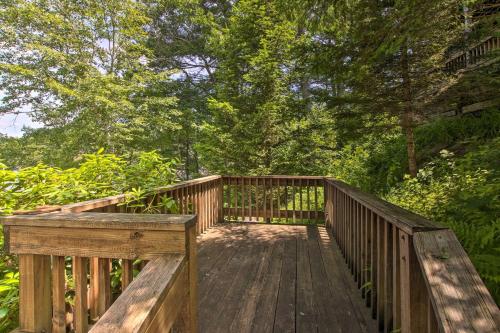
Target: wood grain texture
[[100, 287], [58, 295], [276, 278], [140, 308], [104, 221], [461, 300], [80, 271], [127, 273], [127, 244], [35, 311]]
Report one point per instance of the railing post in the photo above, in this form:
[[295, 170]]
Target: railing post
[[192, 306], [413, 289], [35, 303], [221, 200]]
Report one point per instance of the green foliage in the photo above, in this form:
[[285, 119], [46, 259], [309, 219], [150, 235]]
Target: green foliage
[[377, 162], [261, 118], [97, 175], [83, 70], [462, 193], [458, 184]]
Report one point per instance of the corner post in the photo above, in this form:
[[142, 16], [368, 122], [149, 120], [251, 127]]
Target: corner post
[[413, 289], [192, 302], [35, 302]]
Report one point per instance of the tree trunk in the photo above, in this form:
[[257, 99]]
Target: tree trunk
[[407, 121]]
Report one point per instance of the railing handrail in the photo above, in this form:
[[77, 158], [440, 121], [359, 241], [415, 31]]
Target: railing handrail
[[423, 263], [276, 177], [477, 44], [402, 218], [43, 241], [163, 281], [115, 199], [459, 297]]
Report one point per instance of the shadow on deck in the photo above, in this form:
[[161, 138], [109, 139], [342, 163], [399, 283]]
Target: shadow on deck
[[276, 278]]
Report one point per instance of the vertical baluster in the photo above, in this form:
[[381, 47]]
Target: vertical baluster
[[198, 207], [308, 200], [202, 216], [388, 275], [215, 202], [363, 249], [191, 199], [374, 260], [278, 198], [243, 199], [186, 199], [300, 201], [211, 204], [100, 287], [355, 240], [413, 289], [257, 201], [229, 201], [58, 295], [219, 188], [179, 200], [194, 202], [348, 230], [264, 182], [316, 203], [35, 309], [81, 307], [206, 207], [396, 280], [236, 199], [351, 234], [294, 214], [286, 200], [250, 199], [341, 219], [381, 280], [358, 244], [127, 273], [368, 255]]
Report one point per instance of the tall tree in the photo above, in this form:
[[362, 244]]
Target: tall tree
[[390, 57], [261, 118], [84, 67], [180, 36]]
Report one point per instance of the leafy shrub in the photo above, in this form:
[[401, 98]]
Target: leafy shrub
[[463, 194], [98, 175], [378, 162]]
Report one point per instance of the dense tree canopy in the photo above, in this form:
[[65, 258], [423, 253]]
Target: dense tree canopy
[[346, 88]]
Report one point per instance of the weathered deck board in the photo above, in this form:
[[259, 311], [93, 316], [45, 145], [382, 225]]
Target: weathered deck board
[[276, 278]]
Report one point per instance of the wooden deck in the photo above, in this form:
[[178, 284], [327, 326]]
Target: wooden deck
[[276, 278]]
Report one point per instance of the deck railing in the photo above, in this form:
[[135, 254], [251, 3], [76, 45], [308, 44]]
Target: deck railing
[[91, 237], [413, 274], [278, 199], [476, 55]]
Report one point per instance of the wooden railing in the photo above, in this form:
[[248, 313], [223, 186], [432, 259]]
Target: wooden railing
[[273, 199], [117, 242], [414, 275], [43, 243], [474, 56], [199, 196]]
